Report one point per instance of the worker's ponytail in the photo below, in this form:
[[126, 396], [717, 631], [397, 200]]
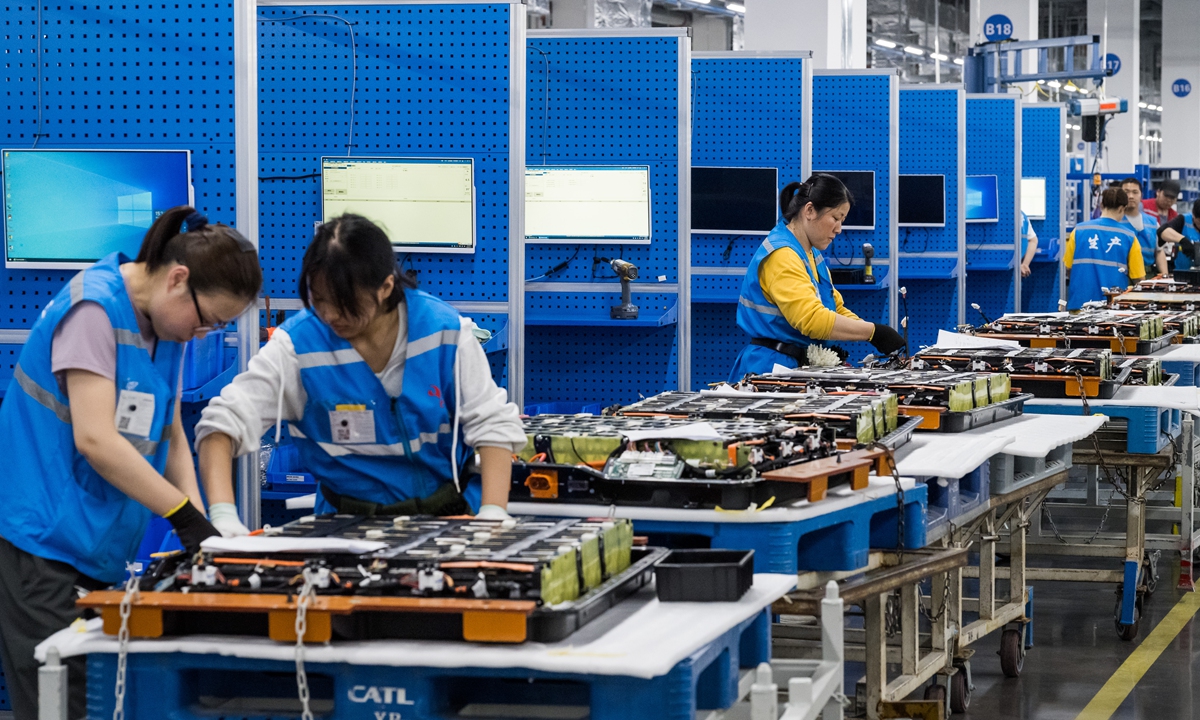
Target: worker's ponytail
[[825, 192], [218, 258]]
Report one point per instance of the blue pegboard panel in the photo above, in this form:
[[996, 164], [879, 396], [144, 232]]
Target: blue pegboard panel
[[853, 129], [433, 80], [747, 111], [605, 99], [1043, 155], [930, 144], [165, 80], [993, 144]]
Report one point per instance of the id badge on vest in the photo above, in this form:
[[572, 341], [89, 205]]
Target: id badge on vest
[[352, 425], [135, 413]]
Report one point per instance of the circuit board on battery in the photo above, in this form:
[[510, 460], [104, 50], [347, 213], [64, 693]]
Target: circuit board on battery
[[418, 576]]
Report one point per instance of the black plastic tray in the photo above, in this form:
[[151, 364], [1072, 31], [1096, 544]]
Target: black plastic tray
[[1148, 347], [577, 484], [902, 434], [704, 575], [953, 422], [1057, 389]]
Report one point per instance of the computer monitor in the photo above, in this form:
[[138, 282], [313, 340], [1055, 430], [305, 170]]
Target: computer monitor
[[861, 184], [735, 200], [66, 209], [1033, 198], [983, 199], [921, 200], [588, 204], [423, 204]]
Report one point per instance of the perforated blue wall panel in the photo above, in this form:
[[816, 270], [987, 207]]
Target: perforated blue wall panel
[[604, 101], [746, 112], [992, 137], [852, 131], [130, 76], [1043, 155], [433, 81], [929, 145]]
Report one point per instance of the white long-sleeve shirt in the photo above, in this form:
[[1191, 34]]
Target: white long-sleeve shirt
[[271, 390]]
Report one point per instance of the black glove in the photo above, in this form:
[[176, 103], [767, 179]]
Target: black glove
[[1185, 246], [886, 340], [192, 527]]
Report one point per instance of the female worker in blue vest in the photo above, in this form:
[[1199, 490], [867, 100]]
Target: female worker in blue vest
[[1102, 253], [385, 390], [91, 422], [788, 300]]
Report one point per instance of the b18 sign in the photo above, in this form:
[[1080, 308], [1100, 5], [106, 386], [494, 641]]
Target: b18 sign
[[997, 28]]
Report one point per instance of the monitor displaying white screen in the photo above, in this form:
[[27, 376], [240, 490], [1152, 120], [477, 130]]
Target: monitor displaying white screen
[[983, 199], [588, 204], [423, 204], [734, 200], [921, 200], [66, 209], [861, 184], [1033, 198]]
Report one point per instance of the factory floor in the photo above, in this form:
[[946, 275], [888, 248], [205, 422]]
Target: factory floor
[[1079, 663]]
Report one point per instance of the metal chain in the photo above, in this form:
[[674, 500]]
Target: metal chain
[[306, 594], [132, 593], [1089, 541]]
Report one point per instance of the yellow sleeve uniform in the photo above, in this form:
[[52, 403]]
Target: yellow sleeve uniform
[[1137, 266], [786, 281]]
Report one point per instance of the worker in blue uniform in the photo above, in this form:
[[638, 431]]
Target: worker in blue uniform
[[788, 300], [91, 420], [1181, 236], [1145, 226], [386, 391], [1102, 254]]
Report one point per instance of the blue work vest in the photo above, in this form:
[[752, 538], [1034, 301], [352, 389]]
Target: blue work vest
[[1100, 261], [760, 318], [408, 454], [1148, 238], [52, 503], [1183, 261]]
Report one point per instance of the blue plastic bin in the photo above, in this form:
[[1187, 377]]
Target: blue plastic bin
[[563, 408], [284, 473], [203, 359], [1150, 429]]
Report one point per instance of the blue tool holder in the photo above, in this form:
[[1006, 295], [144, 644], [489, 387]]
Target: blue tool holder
[[993, 145], [432, 80], [1043, 155], [856, 119], [932, 130], [632, 113], [749, 109]]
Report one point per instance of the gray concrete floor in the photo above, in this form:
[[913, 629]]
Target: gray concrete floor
[[1076, 650]]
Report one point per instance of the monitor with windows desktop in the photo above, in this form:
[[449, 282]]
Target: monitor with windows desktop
[[66, 209]]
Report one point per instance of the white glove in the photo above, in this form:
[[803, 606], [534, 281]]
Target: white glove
[[224, 517], [487, 512]]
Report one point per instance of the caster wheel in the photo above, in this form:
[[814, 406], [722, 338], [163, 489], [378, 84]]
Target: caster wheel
[[935, 692], [1128, 632], [1012, 654], [960, 694]]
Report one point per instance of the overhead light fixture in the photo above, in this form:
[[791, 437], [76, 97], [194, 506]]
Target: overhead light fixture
[[1143, 105], [885, 43], [736, 7], [913, 50], [1141, 137], [1068, 88], [1041, 82], [939, 57], [1159, 108], [702, 2], [1054, 84], [958, 61]]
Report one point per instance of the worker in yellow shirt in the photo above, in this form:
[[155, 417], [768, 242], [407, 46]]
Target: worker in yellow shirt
[[1102, 253], [788, 301]]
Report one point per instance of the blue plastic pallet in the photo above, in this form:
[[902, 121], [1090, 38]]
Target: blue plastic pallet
[[1188, 372], [839, 540], [172, 685], [1150, 429], [950, 498]]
